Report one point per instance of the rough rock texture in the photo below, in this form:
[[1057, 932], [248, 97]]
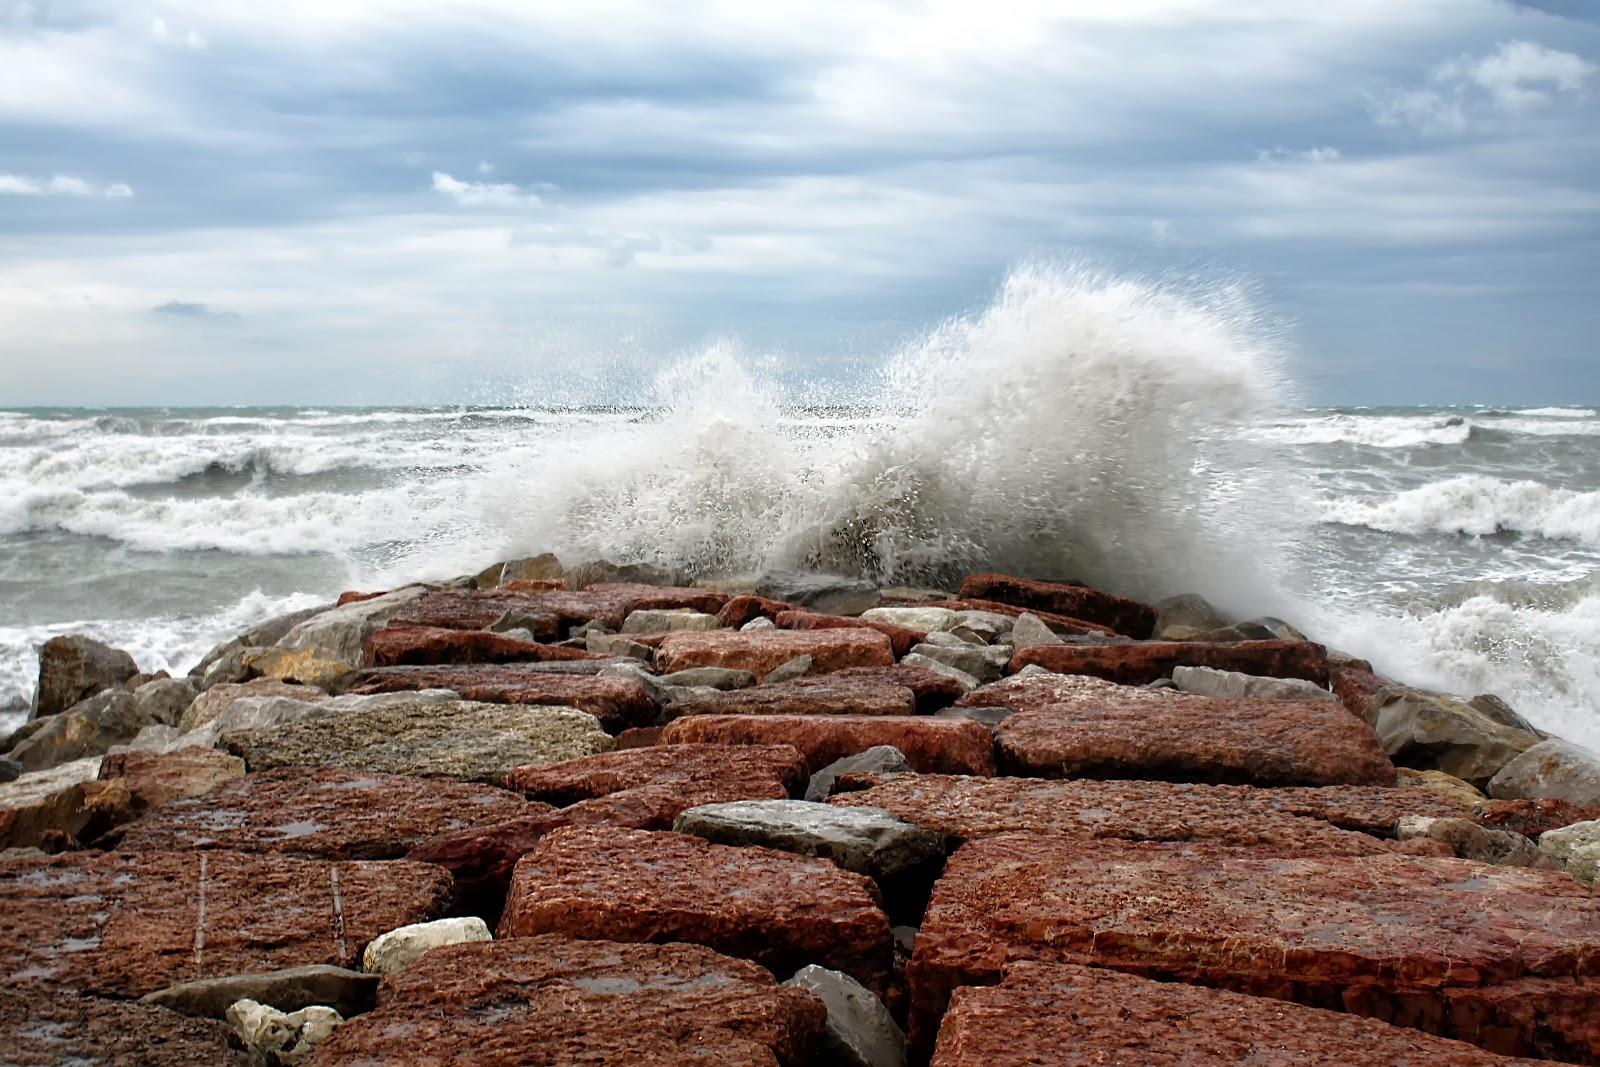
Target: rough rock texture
[[710, 678], [1083, 1016], [164, 700], [216, 701], [455, 739], [1441, 784], [759, 651], [88, 728], [861, 1032], [779, 910], [850, 697], [154, 778], [72, 668], [1550, 770], [1430, 731], [290, 989], [1145, 661], [982, 662], [283, 1038], [399, 949], [1576, 848], [616, 702], [1121, 614], [878, 760], [933, 690], [324, 812], [901, 639], [1065, 625], [547, 613], [742, 609], [1382, 935], [41, 1028], [758, 766], [664, 621], [1100, 729], [826, 593], [1470, 841], [1188, 611], [1232, 685], [869, 841], [1550, 1017], [125, 923], [1357, 688], [1300, 821], [396, 646], [60, 806], [1029, 631], [931, 745], [551, 1000], [336, 635], [1531, 818]]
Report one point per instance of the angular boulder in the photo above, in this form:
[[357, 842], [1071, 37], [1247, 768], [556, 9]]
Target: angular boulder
[[829, 594], [1232, 685], [155, 778], [758, 766], [553, 1000], [336, 636], [215, 702], [88, 728], [861, 1032], [1103, 730], [823, 697], [1430, 731], [926, 620], [1550, 770], [743, 609], [1064, 625], [1121, 614], [934, 690], [900, 638], [72, 668], [41, 1028], [931, 745], [398, 646], [759, 651], [399, 949], [1138, 663], [329, 813], [1380, 935], [878, 760], [1532, 818], [618, 703], [633, 885], [290, 989], [62, 806], [455, 739], [869, 841], [125, 924]]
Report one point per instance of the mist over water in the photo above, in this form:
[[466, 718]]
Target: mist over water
[[1136, 435]]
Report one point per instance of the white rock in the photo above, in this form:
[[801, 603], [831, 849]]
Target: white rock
[[400, 948], [967, 682], [760, 622], [1575, 847], [1232, 685], [928, 620], [283, 1037], [1030, 632], [676, 620]]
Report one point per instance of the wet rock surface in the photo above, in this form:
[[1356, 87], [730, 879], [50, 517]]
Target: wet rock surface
[[395, 646], [616, 702], [125, 924], [901, 638], [155, 778], [41, 1028], [1430, 731], [878, 760], [329, 813], [611, 772], [867, 840], [1121, 614], [760, 651], [1550, 770], [779, 910], [1078, 1016], [1137, 663], [72, 668], [555, 1000], [451, 739], [929, 744], [819, 697], [1100, 729], [60, 806]]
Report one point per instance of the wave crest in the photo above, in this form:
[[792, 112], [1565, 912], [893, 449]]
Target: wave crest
[[1480, 506]]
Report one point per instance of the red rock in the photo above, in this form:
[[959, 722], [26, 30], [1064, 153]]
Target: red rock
[[154, 778], [463, 609], [41, 1028], [1082, 1016], [822, 697], [395, 646], [1285, 821], [934, 691], [1144, 661], [550, 611], [639, 737], [1099, 729], [1383, 934], [1553, 1018], [742, 609], [758, 767], [1020, 692], [1356, 688], [532, 585], [1530, 818], [775, 908], [1065, 625], [124, 924], [759, 651], [931, 745], [61, 808], [617, 702], [901, 638], [324, 812], [353, 597], [1123, 615], [558, 1001]]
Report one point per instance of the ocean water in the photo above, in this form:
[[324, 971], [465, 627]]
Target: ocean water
[[1140, 436]]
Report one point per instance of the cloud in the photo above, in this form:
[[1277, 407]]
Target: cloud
[[1323, 154], [184, 309], [61, 185], [1518, 76], [482, 194]]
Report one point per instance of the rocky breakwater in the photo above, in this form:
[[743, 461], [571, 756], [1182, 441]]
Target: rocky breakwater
[[794, 819]]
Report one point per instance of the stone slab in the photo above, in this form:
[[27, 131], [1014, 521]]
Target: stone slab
[[901, 638], [759, 651], [397, 646], [611, 772], [933, 690], [823, 697], [931, 745], [617, 702], [155, 778], [1122, 614], [41, 1028], [1142, 662]]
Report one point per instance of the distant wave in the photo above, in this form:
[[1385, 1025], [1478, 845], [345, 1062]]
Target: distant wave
[[1479, 506], [1559, 413], [1374, 431]]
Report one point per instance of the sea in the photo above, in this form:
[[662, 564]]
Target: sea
[[1143, 437]]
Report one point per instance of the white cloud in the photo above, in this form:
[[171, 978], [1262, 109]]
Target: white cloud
[[1516, 77], [485, 167], [482, 194], [1321, 154], [60, 185]]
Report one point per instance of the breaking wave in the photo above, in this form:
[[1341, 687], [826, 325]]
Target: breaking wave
[[1479, 506]]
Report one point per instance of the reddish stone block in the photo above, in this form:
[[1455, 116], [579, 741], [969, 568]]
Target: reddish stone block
[[775, 908], [550, 611], [753, 766], [931, 745], [901, 638], [1121, 614], [123, 924], [759, 651], [639, 737], [42, 1028], [1138, 663], [617, 702], [742, 609], [1530, 818], [1064, 625], [353, 597], [1356, 688], [822, 697], [1385, 935], [934, 691], [464, 609], [396, 646], [555, 1000], [1284, 821], [1098, 729], [154, 778], [1088, 1016], [1552, 1018], [324, 812]]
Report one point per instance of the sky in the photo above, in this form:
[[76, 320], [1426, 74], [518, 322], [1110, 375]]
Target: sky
[[348, 201]]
